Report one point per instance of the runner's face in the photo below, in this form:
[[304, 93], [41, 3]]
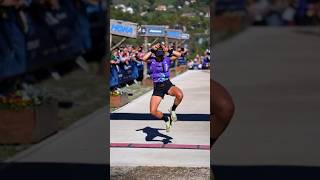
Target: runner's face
[[160, 54]]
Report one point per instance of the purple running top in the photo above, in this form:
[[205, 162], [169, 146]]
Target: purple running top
[[160, 70]]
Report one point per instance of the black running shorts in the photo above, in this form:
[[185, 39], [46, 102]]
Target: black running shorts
[[161, 88]]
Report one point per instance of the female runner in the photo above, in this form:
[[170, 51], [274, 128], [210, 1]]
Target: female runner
[[160, 74]]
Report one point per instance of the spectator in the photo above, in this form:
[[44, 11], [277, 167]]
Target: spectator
[[289, 14], [258, 10], [285, 12]]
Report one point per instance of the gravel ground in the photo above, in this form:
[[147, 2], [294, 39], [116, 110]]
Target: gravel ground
[[159, 173]]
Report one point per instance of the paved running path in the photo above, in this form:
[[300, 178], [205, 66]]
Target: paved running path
[[85, 142], [195, 85], [273, 75]]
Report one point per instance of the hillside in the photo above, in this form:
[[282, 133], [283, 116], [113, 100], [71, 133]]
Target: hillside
[[192, 17]]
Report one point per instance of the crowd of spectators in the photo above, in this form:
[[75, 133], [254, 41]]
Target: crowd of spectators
[[126, 55], [127, 65], [284, 12], [200, 62]]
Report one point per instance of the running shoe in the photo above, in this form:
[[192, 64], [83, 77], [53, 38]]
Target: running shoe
[[168, 124], [173, 115]]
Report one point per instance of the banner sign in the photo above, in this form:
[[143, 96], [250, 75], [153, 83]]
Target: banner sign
[[54, 37], [123, 28], [174, 33], [152, 30], [185, 36]]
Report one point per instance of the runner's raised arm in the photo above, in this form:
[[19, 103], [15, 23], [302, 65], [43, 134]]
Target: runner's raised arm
[[153, 50]]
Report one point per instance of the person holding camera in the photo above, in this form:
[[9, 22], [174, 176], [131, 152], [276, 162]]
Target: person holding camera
[[160, 74]]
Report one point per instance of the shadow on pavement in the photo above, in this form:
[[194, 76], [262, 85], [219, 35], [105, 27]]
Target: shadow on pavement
[[153, 133], [53, 171], [266, 172]]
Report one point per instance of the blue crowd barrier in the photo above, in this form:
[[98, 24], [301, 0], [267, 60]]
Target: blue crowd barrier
[[114, 78], [123, 74], [97, 14], [135, 70], [12, 46], [58, 34], [182, 61], [53, 36]]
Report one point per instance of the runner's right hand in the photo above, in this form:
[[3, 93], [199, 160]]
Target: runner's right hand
[[156, 46]]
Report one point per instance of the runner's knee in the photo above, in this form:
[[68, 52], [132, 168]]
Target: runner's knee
[[226, 111], [153, 112], [179, 95]]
